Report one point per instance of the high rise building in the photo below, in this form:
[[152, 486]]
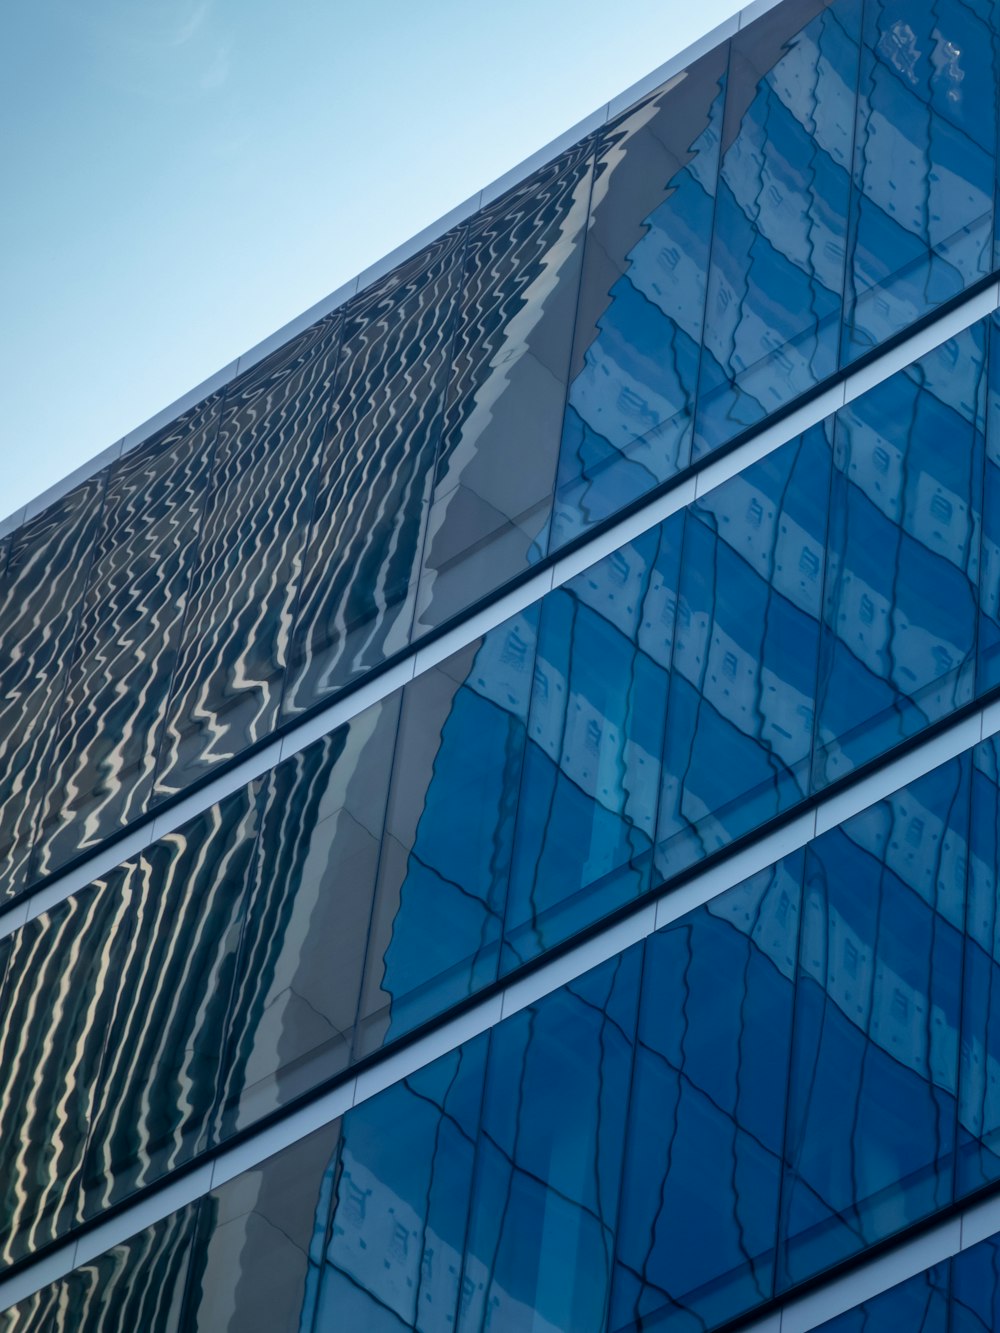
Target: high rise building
[[499, 789]]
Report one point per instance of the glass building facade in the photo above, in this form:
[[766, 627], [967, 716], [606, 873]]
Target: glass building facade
[[500, 796]]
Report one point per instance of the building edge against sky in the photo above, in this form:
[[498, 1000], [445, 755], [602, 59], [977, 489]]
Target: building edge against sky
[[687, 1018], [328, 304]]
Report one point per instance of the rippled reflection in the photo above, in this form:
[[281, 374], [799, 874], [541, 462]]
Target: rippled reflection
[[40, 596], [231, 660], [137, 1285], [101, 769], [186, 901], [376, 474]]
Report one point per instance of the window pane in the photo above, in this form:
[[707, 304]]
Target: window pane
[[496, 468], [136, 1285], [163, 1028], [401, 1201], [924, 162], [550, 1158], [40, 596], [979, 1101], [362, 563], [54, 1011], [587, 810], [231, 661], [256, 1252], [919, 1306], [303, 947], [871, 1122], [101, 771], [899, 638], [774, 298], [640, 320], [446, 855], [743, 685], [699, 1214]]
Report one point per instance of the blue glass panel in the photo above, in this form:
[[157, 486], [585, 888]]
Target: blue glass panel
[[900, 616], [587, 810], [361, 566], [699, 1211], [975, 1289], [101, 769], [772, 327], [496, 468], [137, 1285], [918, 1306], [988, 664], [446, 855], [401, 1202], [979, 1088], [924, 162], [742, 695], [255, 1258], [550, 1157], [231, 660], [163, 1028], [303, 947], [871, 1119], [40, 596], [642, 300]]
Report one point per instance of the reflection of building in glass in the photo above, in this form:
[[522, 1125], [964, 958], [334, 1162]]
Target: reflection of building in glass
[[499, 795]]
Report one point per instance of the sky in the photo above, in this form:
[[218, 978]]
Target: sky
[[182, 177]]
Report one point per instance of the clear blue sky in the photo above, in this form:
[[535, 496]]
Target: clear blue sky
[[181, 177]]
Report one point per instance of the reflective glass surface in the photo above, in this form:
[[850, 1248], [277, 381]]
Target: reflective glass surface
[[924, 162], [874, 1078], [185, 899], [761, 1089], [102, 764], [667, 282], [375, 477], [307, 917], [496, 467], [232, 655], [54, 1010], [919, 1305], [390, 1250], [443, 877], [43, 586], [640, 319], [699, 1213], [772, 326], [548, 1170], [252, 1266], [136, 1285], [743, 684], [903, 556], [975, 1288], [978, 1161], [587, 809], [988, 660]]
